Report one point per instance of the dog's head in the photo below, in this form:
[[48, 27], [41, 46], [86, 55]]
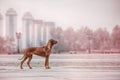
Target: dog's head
[[52, 41]]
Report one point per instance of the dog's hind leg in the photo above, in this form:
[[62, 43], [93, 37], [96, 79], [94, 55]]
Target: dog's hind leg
[[22, 62], [28, 63]]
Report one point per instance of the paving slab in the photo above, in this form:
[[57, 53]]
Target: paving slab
[[9, 68]]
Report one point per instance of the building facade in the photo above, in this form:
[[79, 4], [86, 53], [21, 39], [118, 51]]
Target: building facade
[[34, 32], [1, 26]]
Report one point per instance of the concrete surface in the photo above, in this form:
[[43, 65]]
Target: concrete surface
[[63, 67]]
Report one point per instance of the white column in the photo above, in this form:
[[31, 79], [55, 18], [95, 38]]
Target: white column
[[38, 32], [7, 26], [27, 32], [11, 25], [23, 36], [49, 26], [32, 33], [1, 26], [44, 33]]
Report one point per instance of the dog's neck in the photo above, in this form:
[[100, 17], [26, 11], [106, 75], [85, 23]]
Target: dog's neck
[[49, 45]]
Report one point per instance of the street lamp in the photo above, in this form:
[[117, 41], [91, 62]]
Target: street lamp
[[89, 44], [89, 36], [18, 36]]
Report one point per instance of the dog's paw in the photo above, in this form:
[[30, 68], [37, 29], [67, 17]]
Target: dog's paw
[[21, 68], [47, 67], [30, 67]]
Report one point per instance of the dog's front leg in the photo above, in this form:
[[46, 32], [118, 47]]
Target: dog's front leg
[[47, 62]]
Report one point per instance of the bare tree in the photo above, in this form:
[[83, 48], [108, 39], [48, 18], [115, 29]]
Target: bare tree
[[116, 37], [84, 38], [101, 39]]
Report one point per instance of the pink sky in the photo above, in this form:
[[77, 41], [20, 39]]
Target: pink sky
[[66, 13]]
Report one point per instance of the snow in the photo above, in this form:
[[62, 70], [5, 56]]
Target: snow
[[63, 67]]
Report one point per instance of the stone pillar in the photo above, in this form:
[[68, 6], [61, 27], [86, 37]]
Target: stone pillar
[[38, 24], [1, 26], [11, 23], [11, 27], [42, 34], [27, 31], [44, 30], [48, 26]]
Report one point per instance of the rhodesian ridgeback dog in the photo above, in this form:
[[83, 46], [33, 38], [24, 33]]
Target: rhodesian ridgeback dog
[[43, 51]]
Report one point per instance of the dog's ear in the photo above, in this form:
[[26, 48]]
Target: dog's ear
[[53, 41]]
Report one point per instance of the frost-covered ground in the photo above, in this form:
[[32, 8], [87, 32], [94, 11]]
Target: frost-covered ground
[[63, 67]]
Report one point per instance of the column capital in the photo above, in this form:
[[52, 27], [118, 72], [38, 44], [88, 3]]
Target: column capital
[[27, 16], [11, 12]]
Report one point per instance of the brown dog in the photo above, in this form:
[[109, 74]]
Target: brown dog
[[40, 51]]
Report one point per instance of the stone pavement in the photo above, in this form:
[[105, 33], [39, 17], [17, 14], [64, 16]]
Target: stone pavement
[[88, 69], [59, 73]]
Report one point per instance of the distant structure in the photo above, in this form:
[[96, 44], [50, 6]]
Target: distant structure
[[27, 36], [34, 32], [47, 30], [1, 26], [11, 23], [38, 25]]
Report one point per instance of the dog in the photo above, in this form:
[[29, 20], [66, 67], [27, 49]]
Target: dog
[[43, 51]]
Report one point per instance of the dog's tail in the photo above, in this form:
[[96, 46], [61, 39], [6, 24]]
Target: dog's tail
[[21, 58]]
